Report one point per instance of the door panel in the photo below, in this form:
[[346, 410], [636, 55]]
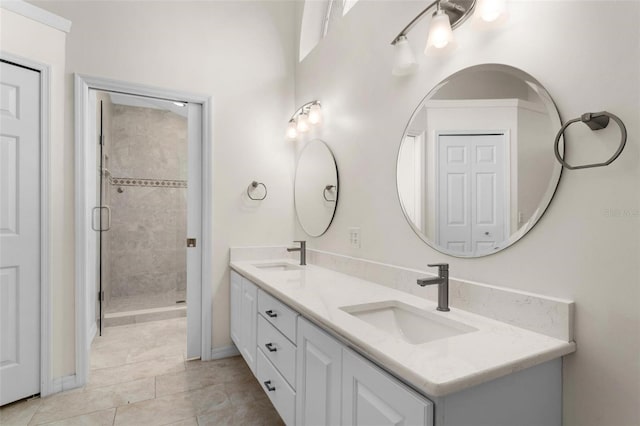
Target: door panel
[[248, 316], [319, 369], [19, 233], [372, 397], [236, 299], [453, 227], [472, 195], [194, 230]]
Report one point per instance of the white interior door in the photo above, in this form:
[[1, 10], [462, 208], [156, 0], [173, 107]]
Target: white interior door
[[194, 231], [19, 233], [472, 197]]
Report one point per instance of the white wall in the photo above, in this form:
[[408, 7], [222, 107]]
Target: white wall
[[240, 53], [587, 55], [17, 34]]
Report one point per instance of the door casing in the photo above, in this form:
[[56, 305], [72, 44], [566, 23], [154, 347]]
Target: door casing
[[84, 165]]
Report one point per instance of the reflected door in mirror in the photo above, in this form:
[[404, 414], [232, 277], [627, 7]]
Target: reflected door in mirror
[[476, 168], [471, 193]]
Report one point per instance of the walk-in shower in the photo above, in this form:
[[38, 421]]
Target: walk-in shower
[[142, 188]]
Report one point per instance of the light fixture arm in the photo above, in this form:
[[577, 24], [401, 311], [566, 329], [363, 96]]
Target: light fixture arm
[[305, 108], [451, 7]]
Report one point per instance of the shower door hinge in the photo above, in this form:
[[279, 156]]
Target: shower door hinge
[[191, 242], [101, 140], [101, 296]]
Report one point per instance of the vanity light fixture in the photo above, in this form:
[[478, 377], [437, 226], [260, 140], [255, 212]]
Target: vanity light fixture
[[440, 39], [448, 15], [292, 131], [302, 122], [315, 113], [308, 115], [405, 61], [490, 13]]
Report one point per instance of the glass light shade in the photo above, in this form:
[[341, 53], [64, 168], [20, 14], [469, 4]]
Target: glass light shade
[[315, 114], [302, 123], [440, 39], [490, 13], [292, 131], [404, 62]]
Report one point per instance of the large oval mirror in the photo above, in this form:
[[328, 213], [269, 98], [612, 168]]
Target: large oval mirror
[[316, 188], [476, 168]]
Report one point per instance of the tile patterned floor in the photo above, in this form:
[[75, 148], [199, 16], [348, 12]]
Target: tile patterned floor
[[139, 376]]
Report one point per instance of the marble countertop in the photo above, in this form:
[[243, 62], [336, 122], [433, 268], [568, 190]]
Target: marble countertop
[[437, 368]]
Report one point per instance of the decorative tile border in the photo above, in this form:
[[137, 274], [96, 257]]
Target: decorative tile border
[[162, 183]]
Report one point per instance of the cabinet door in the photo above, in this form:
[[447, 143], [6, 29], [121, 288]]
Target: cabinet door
[[318, 385], [236, 298], [372, 397], [249, 323]]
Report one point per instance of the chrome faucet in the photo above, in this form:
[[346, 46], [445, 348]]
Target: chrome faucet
[[443, 285], [303, 251]]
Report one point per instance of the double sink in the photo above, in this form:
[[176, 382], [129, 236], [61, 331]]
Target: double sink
[[410, 324]]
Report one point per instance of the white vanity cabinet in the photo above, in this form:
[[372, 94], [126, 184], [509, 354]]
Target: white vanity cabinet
[[372, 397], [319, 376], [313, 378], [244, 317]]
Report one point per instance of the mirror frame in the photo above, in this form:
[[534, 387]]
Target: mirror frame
[[548, 195], [295, 178]]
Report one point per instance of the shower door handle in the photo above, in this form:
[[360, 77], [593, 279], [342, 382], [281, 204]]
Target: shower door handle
[[93, 218]]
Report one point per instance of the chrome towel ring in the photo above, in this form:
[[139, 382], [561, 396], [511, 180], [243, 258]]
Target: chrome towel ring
[[253, 185], [324, 192], [595, 121]]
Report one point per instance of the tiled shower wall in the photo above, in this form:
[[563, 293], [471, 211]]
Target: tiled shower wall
[[148, 196]]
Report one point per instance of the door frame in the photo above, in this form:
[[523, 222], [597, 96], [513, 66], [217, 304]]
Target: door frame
[[46, 319], [506, 140], [83, 84]]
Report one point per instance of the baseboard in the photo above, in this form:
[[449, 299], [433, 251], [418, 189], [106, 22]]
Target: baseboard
[[224, 352], [64, 383]]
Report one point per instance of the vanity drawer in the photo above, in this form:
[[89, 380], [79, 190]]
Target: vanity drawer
[[277, 313], [278, 349], [279, 392]]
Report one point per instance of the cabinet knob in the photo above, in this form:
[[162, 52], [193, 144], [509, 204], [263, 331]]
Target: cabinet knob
[[270, 388], [270, 347], [271, 313]]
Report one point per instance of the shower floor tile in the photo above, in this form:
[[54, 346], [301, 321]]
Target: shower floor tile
[[144, 301]]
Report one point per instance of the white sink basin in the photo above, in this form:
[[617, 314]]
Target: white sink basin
[[410, 324], [280, 266]]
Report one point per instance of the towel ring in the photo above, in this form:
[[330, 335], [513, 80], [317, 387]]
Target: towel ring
[[324, 192], [253, 186], [595, 121]]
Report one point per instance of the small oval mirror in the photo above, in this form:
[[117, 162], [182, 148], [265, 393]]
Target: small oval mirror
[[316, 188], [476, 168]]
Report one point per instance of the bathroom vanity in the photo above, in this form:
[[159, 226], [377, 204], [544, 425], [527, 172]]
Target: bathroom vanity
[[331, 349]]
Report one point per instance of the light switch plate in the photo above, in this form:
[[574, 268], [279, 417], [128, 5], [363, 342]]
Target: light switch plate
[[354, 237]]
